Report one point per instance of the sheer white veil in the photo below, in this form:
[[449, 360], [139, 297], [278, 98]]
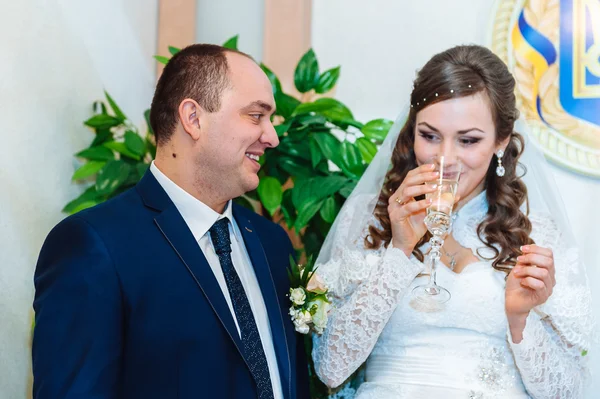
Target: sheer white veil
[[543, 197]]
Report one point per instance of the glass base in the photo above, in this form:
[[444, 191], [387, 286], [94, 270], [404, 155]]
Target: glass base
[[431, 293]]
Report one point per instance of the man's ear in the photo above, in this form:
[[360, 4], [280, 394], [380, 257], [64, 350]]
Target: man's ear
[[190, 114]]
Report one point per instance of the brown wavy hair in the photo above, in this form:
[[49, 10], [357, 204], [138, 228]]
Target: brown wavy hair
[[458, 72]]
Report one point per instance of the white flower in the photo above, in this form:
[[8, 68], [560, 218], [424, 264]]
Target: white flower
[[297, 296], [301, 328], [320, 309], [301, 320]]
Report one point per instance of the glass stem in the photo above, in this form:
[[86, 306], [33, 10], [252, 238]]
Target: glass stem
[[434, 256]]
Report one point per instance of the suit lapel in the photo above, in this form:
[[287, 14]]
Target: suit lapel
[[175, 230], [267, 287]]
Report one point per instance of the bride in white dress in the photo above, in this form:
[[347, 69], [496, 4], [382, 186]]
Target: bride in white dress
[[519, 323]]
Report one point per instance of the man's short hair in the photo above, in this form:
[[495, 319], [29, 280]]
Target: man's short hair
[[198, 72]]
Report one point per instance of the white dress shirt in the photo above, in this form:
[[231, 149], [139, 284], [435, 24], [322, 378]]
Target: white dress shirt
[[200, 217]]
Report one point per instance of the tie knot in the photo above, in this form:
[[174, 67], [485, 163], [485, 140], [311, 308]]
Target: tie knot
[[219, 233]]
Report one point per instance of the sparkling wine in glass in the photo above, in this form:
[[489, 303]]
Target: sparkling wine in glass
[[438, 222]]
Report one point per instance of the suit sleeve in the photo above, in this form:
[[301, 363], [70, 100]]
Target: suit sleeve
[[78, 336]]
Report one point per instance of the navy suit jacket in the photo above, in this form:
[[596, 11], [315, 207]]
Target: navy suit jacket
[[126, 306]]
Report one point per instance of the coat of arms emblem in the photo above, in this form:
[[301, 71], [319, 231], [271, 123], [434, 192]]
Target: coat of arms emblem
[[552, 47]]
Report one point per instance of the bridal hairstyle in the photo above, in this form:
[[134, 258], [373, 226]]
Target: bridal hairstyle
[[199, 72], [459, 72]]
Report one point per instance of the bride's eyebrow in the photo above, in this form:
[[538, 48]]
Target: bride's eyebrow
[[463, 131], [429, 126]]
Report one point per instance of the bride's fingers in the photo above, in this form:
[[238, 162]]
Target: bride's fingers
[[413, 207], [420, 169], [536, 249], [538, 273], [538, 260], [536, 285], [541, 261], [420, 178], [415, 191]]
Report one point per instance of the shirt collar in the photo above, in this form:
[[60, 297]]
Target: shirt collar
[[197, 215]]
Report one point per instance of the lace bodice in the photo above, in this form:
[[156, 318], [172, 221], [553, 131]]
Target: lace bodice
[[465, 350]]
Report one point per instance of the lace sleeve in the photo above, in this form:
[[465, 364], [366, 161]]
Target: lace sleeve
[[366, 287], [551, 356]]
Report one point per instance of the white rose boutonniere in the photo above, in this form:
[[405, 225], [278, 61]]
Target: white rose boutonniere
[[308, 294]]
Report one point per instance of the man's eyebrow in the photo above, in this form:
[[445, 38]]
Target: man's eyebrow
[[261, 104]]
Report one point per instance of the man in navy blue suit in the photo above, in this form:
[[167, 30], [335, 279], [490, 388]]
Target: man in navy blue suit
[[170, 290]]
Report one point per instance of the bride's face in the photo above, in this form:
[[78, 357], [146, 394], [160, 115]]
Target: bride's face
[[461, 127]]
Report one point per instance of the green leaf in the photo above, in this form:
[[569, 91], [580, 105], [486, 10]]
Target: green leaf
[[88, 196], [87, 170], [320, 105], [330, 209], [232, 43], [111, 176], [282, 128], [584, 352], [141, 168], [345, 122], [174, 50], [286, 104], [338, 113], [99, 108], [306, 75], [316, 189], [377, 129], [294, 273], [85, 205], [98, 153], [352, 162], [328, 80], [367, 149], [347, 189], [122, 149], [163, 60], [147, 117], [306, 212], [134, 143], [316, 155], [102, 121], [328, 107], [287, 208], [330, 146], [312, 121], [295, 148], [102, 136], [296, 167], [113, 105], [275, 83], [270, 193]]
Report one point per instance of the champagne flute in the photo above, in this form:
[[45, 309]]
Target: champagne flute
[[438, 222]]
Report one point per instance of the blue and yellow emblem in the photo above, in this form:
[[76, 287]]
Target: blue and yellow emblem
[[552, 47]]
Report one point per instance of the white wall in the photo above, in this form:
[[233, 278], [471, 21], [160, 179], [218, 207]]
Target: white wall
[[380, 45], [57, 58], [217, 21]]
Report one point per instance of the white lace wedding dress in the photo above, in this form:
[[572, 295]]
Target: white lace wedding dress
[[464, 351]]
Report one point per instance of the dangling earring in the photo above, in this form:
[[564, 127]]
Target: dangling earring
[[500, 169]]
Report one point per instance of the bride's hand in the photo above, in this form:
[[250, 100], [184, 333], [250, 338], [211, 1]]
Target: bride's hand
[[407, 214], [529, 284]]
